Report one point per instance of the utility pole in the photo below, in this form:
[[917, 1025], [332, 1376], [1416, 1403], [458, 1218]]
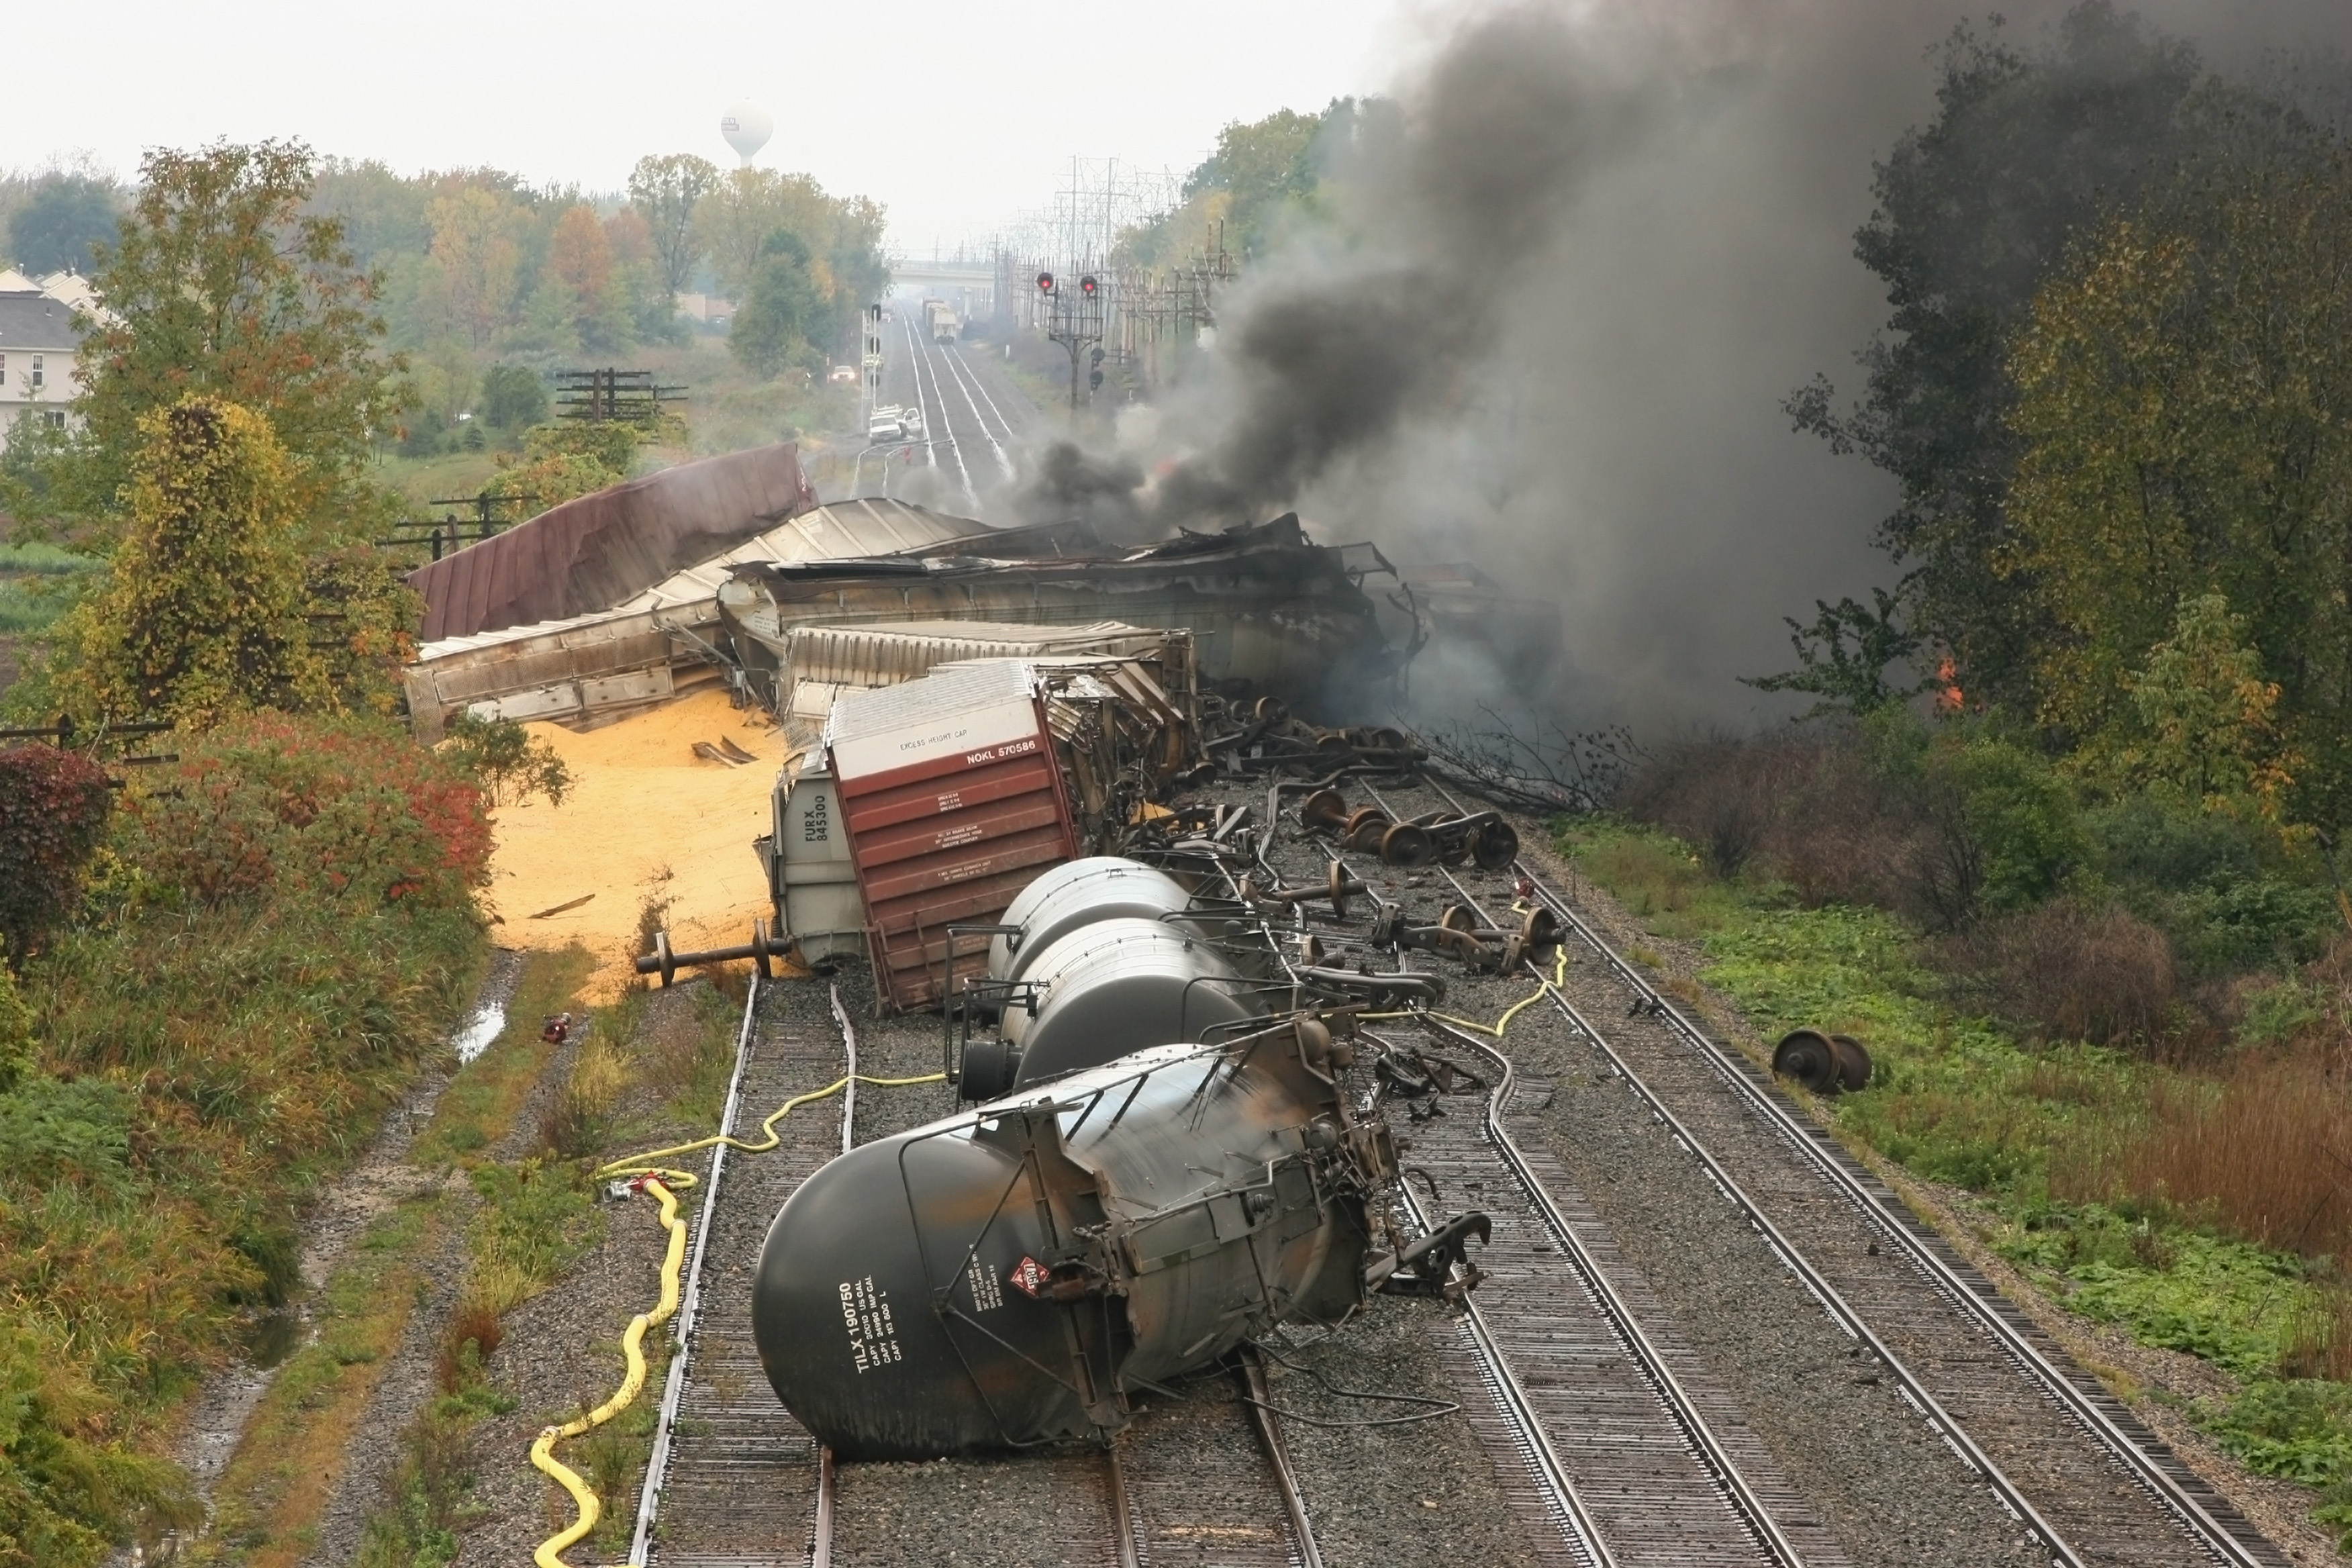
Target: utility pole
[[870, 362], [1075, 322]]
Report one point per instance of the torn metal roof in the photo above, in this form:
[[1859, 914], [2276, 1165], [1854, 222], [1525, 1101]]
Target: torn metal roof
[[594, 552], [568, 667]]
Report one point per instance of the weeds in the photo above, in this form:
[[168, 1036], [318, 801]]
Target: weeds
[[2200, 1208], [509, 763], [270, 1496], [484, 1099], [2260, 1146]]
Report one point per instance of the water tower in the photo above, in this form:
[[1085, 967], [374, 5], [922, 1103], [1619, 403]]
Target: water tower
[[747, 129]]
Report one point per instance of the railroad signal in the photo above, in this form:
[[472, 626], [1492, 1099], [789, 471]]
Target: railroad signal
[[1045, 283], [1094, 355], [1094, 379], [1087, 285]]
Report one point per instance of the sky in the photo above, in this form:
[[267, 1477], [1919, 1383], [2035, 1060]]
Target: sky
[[955, 116]]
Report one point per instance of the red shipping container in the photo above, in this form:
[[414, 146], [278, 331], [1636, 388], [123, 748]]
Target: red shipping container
[[953, 802]]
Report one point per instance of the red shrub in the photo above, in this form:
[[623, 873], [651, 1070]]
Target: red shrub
[[337, 808], [53, 808]]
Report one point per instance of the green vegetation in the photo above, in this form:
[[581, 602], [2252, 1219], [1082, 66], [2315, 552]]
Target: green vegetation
[[511, 764], [37, 582], [271, 934], [1264, 177], [533, 1220], [62, 221], [2181, 1203], [267, 1504]]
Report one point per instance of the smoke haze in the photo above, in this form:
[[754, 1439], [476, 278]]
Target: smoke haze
[[1575, 272]]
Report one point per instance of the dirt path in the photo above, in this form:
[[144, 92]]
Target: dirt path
[[381, 1179]]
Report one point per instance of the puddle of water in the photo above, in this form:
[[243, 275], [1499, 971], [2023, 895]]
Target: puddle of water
[[479, 1031], [270, 1338]]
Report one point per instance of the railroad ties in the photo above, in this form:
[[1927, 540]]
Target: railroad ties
[[2121, 1498], [740, 1489], [744, 1487], [1616, 1442]]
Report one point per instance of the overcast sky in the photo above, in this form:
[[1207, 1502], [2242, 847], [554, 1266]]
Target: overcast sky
[[954, 116]]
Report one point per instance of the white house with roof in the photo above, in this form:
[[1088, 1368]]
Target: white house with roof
[[40, 349]]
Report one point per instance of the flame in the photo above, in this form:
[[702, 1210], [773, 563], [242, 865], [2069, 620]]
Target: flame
[[1949, 698]]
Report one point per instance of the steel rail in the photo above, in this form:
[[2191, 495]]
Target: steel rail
[[2192, 1514], [665, 1423], [922, 352], [1518, 1409], [1122, 1511], [1278, 1455], [964, 385], [821, 1523], [1914, 1389], [1683, 1407], [1680, 1406], [981, 386]]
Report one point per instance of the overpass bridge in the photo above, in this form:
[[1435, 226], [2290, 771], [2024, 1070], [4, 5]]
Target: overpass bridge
[[977, 279]]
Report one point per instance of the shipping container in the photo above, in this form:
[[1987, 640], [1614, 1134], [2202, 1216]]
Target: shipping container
[[952, 801]]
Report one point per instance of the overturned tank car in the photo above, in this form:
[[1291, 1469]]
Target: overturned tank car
[[1162, 1169], [1009, 1277]]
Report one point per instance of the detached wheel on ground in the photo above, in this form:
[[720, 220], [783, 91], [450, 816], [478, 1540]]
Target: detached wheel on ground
[[1826, 1063]]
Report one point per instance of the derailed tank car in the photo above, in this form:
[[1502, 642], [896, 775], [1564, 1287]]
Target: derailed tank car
[[1008, 1277]]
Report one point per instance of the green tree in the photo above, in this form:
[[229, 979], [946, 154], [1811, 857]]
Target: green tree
[[478, 261], [223, 287], [2185, 411], [2029, 152], [783, 303], [665, 190], [2207, 725], [513, 396], [202, 611], [568, 459], [1847, 679], [66, 222], [1266, 169]]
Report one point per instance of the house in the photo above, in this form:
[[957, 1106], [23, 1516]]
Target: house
[[39, 347]]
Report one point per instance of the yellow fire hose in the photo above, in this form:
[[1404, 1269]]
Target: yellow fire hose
[[1543, 989], [542, 1451], [665, 1184]]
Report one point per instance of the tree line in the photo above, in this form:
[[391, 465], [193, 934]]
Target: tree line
[[2110, 389], [472, 269]]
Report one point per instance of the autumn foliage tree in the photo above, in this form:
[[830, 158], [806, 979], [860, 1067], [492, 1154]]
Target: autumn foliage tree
[[221, 285], [203, 611], [2185, 414]]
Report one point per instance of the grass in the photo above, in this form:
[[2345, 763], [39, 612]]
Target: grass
[[37, 584], [483, 1101], [535, 1220], [2197, 1213], [531, 1220], [268, 1499]]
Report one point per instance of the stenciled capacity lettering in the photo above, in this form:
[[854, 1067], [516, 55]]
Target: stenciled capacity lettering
[[865, 1313]]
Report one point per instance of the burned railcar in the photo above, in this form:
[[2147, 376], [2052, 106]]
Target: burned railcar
[[1266, 604]]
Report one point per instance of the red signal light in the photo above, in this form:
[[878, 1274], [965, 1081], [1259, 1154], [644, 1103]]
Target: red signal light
[[1087, 284], [1045, 283]]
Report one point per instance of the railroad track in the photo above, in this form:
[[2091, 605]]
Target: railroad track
[[736, 1483], [1640, 1455], [2013, 1407]]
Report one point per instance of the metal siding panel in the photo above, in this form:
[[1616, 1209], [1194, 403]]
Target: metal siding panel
[[874, 810], [953, 837]]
